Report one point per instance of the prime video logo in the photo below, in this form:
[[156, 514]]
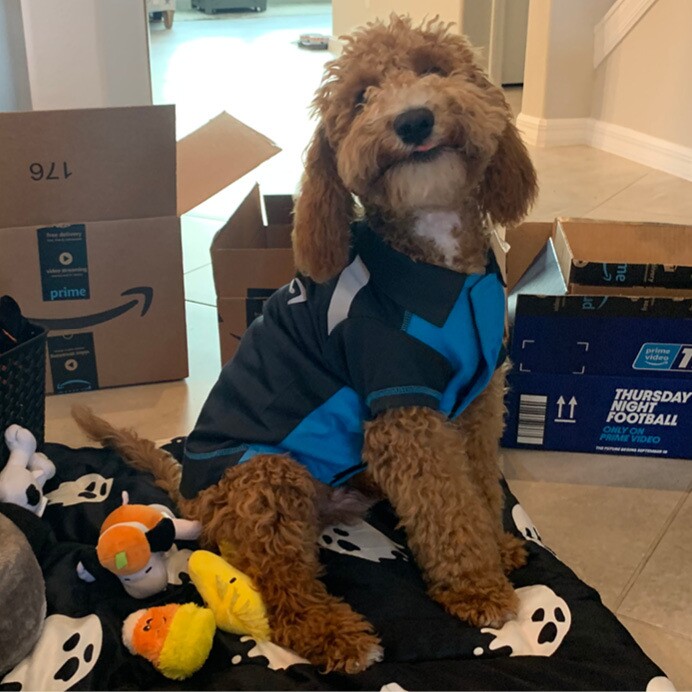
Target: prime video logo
[[67, 293], [654, 356]]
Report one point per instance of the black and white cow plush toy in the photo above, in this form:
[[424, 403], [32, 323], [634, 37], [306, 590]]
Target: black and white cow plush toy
[[26, 471]]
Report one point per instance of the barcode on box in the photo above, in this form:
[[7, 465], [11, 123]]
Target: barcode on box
[[532, 413]]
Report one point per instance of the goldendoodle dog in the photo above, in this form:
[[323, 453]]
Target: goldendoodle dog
[[383, 357]]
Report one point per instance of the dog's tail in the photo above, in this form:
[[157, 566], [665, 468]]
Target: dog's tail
[[139, 453]]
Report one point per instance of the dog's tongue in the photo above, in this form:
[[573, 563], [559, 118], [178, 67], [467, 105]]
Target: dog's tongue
[[424, 147]]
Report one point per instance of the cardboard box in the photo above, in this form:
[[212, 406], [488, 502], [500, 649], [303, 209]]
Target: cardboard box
[[251, 258], [599, 372], [624, 258], [90, 232]]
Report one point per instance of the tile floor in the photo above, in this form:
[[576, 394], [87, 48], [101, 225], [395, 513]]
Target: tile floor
[[623, 524]]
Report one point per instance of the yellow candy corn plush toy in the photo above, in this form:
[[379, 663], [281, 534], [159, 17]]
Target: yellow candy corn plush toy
[[237, 606], [176, 638]]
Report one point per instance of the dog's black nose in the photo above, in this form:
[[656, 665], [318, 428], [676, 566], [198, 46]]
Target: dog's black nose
[[414, 126]]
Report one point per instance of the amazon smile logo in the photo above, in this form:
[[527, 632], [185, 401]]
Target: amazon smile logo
[[144, 296]]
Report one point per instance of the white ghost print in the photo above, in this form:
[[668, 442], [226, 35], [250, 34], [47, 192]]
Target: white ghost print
[[278, 657], [526, 527], [660, 684], [89, 488], [66, 653], [361, 540], [542, 622]]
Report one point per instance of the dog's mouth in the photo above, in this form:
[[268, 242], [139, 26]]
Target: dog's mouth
[[424, 153]]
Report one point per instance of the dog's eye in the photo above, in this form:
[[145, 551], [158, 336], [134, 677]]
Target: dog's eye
[[361, 97], [434, 69]]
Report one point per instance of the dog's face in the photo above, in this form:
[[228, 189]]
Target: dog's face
[[416, 123], [408, 123]]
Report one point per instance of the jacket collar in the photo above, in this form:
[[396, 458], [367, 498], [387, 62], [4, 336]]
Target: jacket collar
[[424, 289]]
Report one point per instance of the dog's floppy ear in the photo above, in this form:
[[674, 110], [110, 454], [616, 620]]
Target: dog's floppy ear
[[323, 213], [509, 186]]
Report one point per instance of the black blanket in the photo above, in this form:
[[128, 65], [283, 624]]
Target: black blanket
[[564, 638]]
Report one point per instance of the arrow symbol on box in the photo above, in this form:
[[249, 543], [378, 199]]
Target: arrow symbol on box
[[572, 406], [560, 404]]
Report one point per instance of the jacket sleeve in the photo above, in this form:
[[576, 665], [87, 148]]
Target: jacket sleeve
[[387, 367]]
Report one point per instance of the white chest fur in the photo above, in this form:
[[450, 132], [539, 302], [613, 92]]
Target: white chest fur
[[442, 227]]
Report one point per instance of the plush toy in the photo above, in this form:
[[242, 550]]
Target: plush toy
[[24, 538], [176, 638], [26, 471], [134, 543], [237, 606]]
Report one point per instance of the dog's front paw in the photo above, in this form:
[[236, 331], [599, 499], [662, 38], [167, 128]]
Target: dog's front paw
[[478, 605]]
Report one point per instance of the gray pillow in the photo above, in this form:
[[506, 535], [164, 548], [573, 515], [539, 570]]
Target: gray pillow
[[22, 585]]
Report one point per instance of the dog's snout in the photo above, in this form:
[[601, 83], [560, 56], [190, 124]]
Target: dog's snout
[[415, 125]]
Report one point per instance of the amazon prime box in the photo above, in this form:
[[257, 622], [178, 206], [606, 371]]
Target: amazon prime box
[[601, 340], [90, 233]]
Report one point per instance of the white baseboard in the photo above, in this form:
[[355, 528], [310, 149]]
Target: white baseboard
[[654, 152], [554, 132]]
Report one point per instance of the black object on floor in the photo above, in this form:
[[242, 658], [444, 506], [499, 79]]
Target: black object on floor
[[563, 639], [22, 373], [214, 6]]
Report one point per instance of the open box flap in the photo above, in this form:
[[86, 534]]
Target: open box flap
[[525, 241], [244, 228], [216, 155]]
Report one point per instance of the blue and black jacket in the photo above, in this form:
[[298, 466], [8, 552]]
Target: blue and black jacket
[[323, 358]]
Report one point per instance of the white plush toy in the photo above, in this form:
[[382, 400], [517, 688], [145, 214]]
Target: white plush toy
[[26, 471]]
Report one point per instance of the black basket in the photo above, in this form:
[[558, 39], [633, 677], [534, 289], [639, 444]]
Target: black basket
[[23, 388]]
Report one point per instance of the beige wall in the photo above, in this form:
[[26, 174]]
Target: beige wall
[[476, 18], [349, 14], [14, 75], [537, 52], [472, 17], [559, 75], [644, 84], [86, 53]]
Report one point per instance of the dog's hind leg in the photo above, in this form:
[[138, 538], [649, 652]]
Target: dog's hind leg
[[418, 459], [265, 512]]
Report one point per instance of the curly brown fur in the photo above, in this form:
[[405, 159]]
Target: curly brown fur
[[139, 453], [481, 427], [343, 505], [436, 201], [266, 513], [418, 459]]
